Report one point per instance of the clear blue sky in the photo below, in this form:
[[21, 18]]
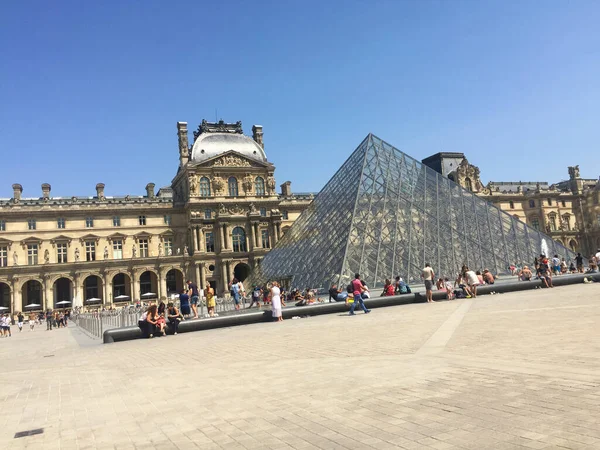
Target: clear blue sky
[[91, 91]]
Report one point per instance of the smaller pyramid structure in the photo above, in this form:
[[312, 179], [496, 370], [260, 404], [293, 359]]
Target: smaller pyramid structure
[[385, 214]]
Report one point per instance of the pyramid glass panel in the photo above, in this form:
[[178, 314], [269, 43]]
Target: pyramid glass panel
[[385, 214]]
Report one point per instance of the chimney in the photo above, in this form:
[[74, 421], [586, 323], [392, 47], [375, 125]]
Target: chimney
[[100, 190], [17, 190], [286, 189], [184, 150], [46, 191], [150, 190], [257, 135]]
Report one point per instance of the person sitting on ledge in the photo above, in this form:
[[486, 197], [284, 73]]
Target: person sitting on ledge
[[525, 274], [543, 273], [488, 278], [388, 289], [440, 285], [174, 317], [154, 325]]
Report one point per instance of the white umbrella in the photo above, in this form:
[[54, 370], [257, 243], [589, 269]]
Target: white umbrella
[[148, 295], [64, 302], [89, 300], [121, 298], [32, 305]]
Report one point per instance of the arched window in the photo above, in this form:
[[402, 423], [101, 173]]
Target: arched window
[[239, 240], [259, 186], [468, 184], [204, 187], [535, 222], [573, 245], [552, 222], [233, 186], [566, 222], [511, 204]]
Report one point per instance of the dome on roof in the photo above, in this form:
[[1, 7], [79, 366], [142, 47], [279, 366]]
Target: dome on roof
[[209, 145]]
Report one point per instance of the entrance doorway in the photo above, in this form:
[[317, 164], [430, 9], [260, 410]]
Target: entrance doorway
[[241, 271], [63, 292]]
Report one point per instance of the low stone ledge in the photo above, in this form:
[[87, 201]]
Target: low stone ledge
[[260, 316]]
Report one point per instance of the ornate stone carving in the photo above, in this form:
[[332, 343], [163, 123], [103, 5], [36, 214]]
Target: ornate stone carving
[[218, 127], [77, 255], [573, 172], [252, 208], [194, 186], [218, 184], [247, 183], [231, 161], [271, 183], [134, 251], [15, 259], [186, 250], [160, 249], [222, 209], [47, 257], [236, 210], [105, 252]]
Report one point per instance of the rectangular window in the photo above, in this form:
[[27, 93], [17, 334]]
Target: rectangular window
[[117, 249], [563, 203], [265, 239], [284, 215], [168, 220], [208, 213], [61, 253], [90, 251], [142, 220], [89, 222], [3, 256], [143, 248], [31, 224], [511, 204], [549, 202], [532, 203], [2, 225], [263, 212], [60, 223], [168, 246], [210, 241], [32, 254], [535, 223], [116, 221]]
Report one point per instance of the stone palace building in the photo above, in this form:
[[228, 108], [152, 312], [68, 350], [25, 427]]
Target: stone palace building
[[568, 211], [216, 220]]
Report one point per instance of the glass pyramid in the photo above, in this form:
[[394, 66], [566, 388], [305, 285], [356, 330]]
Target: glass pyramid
[[385, 214]]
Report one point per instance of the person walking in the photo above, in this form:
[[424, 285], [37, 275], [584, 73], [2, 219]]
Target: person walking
[[194, 297], [428, 276], [256, 295], [20, 320], [276, 302], [32, 319], [357, 289], [49, 319]]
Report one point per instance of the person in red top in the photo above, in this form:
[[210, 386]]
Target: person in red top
[[357, 289]]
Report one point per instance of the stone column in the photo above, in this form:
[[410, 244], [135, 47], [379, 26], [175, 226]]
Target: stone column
[[224, 237], [16, 297], [255, 232], [77, 291], [198, 275], [229, 278], [135, 287], [224, 282], [250, 235], [201, 270], [199, 239], [195, 234], [162, 285], [106, 300], [47, 300], [278, 230]]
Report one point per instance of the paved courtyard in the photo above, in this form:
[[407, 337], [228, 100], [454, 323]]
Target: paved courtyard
[[511, 371]]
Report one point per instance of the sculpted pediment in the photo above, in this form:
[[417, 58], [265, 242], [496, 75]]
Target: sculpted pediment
[[232, 159]]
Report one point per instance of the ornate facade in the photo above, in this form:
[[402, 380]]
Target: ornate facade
[[218, 218], [568, 211]]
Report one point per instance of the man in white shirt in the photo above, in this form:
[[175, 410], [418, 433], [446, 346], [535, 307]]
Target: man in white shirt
[[428, 274], [472, 281]]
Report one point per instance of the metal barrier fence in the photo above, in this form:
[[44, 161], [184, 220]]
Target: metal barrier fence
[[95, 323]]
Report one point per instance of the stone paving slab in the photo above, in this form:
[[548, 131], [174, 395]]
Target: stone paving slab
[[513, 371]]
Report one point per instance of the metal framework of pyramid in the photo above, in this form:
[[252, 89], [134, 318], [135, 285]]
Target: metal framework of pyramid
[[385, 214]]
